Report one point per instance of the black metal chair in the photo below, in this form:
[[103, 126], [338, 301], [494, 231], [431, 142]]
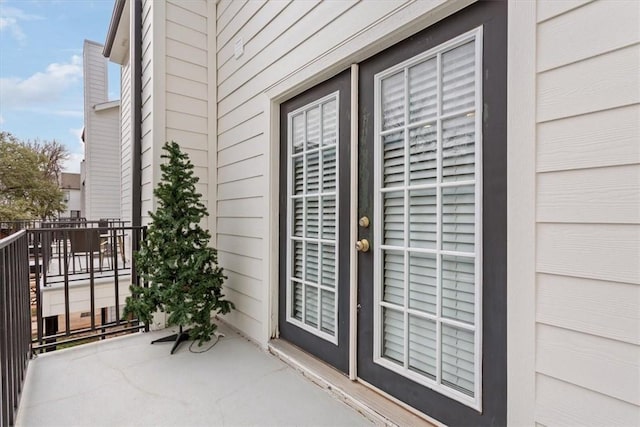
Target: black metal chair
[[85, 243]]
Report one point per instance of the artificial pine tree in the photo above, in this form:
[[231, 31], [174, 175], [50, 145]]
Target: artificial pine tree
[[175, 260]]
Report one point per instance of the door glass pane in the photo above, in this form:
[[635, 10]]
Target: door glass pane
[[458, 78], [393, 205], [329, 217], [313, 128], [393, 335], [393, 159], [393, 285], [329, 174], [297, 259], [313, 216], [423, 149], [298, 215], [296, 307], [423, 90], [329, 123], [458, 359], [458, 218], [311, 305], [328, 311], [297, 132], [393, 101], [328, 265], [423, 212], [298, 175], [311, 264], [422, 346], [458, 288], [458, 149], [423, 282], [313, 172]]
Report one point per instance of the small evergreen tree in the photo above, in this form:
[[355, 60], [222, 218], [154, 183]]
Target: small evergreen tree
[[175, 259]]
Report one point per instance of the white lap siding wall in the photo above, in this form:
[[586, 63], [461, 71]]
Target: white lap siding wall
[[175, 89], [101, 137], [125, 140], [588, 213]]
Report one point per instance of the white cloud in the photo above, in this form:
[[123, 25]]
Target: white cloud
[[10, 18], [41, 87], [1, 120]]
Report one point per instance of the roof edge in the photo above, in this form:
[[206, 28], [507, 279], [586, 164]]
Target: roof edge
[[106, 105], [118, 8]]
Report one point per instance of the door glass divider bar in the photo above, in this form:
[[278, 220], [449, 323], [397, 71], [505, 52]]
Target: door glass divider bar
[[431, 120], [406, 222], [429, 186], [439, 145]]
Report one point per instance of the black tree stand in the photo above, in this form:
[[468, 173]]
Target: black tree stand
[[178, 338]]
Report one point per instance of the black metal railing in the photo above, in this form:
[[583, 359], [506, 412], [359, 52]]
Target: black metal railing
[[81, 276], [15, 322]]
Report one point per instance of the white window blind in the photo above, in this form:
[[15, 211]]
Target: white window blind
[[428, 194], [311, 217]]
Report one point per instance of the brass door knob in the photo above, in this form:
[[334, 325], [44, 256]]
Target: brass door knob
[[363, 222], [362, 245]]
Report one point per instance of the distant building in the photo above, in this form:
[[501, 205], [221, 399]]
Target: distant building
[[70, 184], [101, 136]]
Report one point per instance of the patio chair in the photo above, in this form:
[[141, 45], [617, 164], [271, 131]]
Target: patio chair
[[85, 243], [105, 235]]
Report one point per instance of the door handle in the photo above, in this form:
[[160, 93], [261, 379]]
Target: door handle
[[362, 245]]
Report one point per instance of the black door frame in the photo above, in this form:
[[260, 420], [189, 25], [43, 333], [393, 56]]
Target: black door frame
[[335, 355], [492, 15]]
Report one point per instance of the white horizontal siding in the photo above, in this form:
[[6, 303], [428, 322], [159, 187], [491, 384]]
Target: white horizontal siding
[[578, 358], [147, 142], [560, 403], [606, 81], [593, 251], [584, 42], [102, 140], [551, 8], [597, 195], [597, 307], [603, 138], [588, 213]]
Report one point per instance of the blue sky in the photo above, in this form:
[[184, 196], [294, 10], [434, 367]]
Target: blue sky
[[41, 68]]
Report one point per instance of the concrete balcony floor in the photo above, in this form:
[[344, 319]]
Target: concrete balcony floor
[[126, 381]]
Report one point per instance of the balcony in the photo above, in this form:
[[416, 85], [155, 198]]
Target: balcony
[[127, 381], [63, 288]]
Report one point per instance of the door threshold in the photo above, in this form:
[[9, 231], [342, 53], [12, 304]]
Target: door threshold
[[372, 405]]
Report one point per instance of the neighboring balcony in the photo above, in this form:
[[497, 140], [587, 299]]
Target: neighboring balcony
[[81, 274], [63, 283]]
